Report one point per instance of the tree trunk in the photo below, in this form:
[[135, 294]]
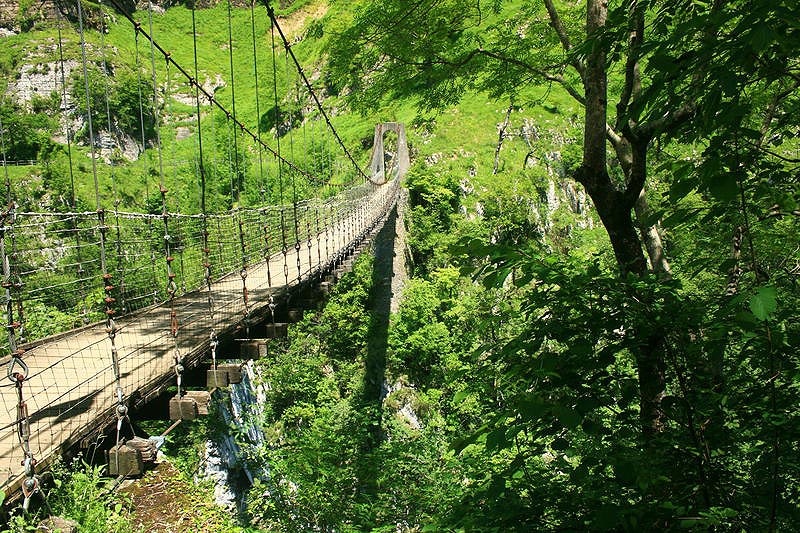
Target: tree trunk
[[651, 236], [614, 207], [502, 137], [595, 88]]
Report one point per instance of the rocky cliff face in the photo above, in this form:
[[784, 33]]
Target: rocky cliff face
[[16, 15]]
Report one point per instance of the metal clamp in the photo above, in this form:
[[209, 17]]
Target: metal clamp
[[16, 376]]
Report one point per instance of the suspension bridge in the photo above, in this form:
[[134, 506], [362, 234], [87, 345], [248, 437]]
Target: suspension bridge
[[123, 301]]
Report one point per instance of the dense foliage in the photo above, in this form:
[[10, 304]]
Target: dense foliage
[[626, 361]]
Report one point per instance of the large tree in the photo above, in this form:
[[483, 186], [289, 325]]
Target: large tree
[[629, 52], [439, 49]]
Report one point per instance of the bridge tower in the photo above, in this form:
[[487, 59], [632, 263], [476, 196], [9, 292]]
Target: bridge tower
[[377, 164]]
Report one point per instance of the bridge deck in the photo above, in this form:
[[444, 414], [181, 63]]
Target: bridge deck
[[70, 388]]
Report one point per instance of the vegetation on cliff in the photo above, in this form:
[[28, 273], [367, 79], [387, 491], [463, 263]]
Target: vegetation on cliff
[[601, 330]]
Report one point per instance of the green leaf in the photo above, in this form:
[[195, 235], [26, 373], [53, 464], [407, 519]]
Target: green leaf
[[531, 407], [760, 37], [460, 396], [497, 439], [724, 187], [568, 417], [764, 303], [579, 474], [625, 471], [680, 188]]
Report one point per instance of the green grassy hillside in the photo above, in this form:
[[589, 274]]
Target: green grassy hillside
[[463, 137]]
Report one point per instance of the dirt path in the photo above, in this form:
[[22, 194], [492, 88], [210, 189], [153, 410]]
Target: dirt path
[[164, 501]]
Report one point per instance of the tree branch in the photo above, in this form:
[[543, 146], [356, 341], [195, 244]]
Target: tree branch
[[502, 135], [638, 170], [563, 36], [539, 72], [632, 86], [613, 137], [648, 130]]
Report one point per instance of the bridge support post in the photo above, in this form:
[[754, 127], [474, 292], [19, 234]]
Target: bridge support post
[[378, 163]]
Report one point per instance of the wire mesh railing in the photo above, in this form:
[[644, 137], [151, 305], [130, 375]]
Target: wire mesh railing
[[58, 287]]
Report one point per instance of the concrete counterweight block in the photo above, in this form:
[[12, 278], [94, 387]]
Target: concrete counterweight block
[[182, 408], [277, 330], [124, 460], [295, 315], [146, 447], [232, 371], [201, 398], [216, 378], [325, 288], [253, 348]]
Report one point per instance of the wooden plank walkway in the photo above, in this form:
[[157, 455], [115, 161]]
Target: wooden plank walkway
[[70, 387]]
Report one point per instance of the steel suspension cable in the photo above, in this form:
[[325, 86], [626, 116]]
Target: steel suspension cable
[[237, 197], [292, 176], [141, 113], [72, 199], [263, 190], [287, 45], [171, 285], [156, 114], [137, 31], [207, 267], [278, 123], [107, 278], [244, 129], [118, 244], [263, 178]]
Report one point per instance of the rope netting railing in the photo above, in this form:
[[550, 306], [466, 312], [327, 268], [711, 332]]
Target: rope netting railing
[[59, 286]]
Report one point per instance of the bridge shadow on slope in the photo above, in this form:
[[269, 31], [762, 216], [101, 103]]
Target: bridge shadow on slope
[[377, 344]]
